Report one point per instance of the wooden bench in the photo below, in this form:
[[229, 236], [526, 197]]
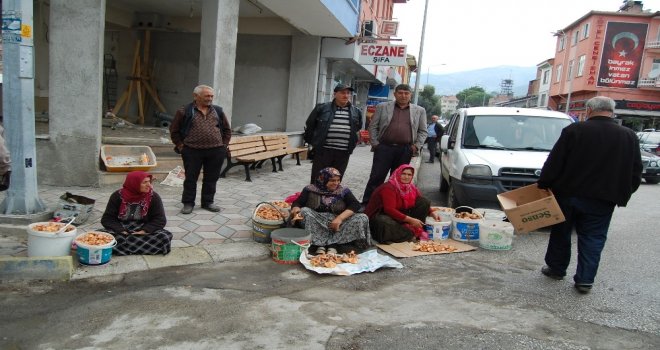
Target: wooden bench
[[253, 151]]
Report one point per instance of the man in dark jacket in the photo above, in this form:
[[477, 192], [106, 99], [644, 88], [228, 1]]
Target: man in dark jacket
[[201, 133], [332, 129], [594, 166]]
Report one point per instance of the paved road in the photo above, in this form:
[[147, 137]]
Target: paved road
[[481, 299]]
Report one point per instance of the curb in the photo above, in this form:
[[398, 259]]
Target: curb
[[36, 268]]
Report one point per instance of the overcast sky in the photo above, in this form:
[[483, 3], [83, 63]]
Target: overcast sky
[[471, 34]]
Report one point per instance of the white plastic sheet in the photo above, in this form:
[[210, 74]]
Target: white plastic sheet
[[368, 261], [175, 177]]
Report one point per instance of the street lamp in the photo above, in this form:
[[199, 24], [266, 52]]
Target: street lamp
[[421, 51]]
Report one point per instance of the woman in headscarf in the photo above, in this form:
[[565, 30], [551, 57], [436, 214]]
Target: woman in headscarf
[[330, 215], [397, 209], [135, 216]]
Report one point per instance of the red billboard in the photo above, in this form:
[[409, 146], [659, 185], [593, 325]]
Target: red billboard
[[621, 58]]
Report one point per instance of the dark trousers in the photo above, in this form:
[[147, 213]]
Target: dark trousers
[[591, 220], [385, 229], [325, 157], [386, 159], [194, 160], [433, 143]]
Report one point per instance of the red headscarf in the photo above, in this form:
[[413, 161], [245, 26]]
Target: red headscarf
[[130, 193], [408, 191]]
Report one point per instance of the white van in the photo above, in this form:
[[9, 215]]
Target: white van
[[490, 150]]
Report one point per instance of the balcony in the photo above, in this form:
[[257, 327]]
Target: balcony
[[337, 18], [653, 84]]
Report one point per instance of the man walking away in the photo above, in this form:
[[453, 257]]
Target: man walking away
[[435, 131], [397, 132], [201, 132], [332, 129], [587, 194]]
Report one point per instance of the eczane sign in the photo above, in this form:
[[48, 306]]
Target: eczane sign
[[381, 54]]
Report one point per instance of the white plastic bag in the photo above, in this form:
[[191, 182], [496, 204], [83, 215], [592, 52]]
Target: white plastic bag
[[249, 129], [368, 261]]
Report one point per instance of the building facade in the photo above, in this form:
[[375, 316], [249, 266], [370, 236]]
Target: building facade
[[613, 54]]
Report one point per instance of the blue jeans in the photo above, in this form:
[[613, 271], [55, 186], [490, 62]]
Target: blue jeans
[[591, 220]]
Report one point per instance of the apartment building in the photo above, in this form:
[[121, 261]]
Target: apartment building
[[614, 54]]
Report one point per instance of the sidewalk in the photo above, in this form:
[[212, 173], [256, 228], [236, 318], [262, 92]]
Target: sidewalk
[[200, 237]]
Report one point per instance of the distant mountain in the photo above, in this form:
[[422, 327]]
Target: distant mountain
[[488, 78]]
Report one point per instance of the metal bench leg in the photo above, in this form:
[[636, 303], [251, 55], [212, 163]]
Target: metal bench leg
[[279, 162], [247, 172], [272, 161], [297, 158]]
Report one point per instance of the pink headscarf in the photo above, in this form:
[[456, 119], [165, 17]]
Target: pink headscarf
[[408, 191]]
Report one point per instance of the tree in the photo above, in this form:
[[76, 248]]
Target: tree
[[472, 97], [429, 100]]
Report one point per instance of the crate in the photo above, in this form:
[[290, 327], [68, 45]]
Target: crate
[[529, 208], [127, 158]]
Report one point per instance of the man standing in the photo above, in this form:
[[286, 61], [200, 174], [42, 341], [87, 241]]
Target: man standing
[[201, 132], [397, 132], [434, 131], [587, 194], [332, 129]]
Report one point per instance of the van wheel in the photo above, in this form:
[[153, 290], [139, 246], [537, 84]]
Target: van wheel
[[452, 201], [444, 185]]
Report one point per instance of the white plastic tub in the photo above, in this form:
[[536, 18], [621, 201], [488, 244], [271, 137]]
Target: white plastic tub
[[43, 243]]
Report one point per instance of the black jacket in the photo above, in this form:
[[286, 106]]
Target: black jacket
[[319, 121], [596, 159]]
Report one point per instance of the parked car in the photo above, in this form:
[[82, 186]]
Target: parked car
[[649, 141], [489, 150], [651, 167]]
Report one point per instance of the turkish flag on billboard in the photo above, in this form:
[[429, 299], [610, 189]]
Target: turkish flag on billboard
[[621, 59]]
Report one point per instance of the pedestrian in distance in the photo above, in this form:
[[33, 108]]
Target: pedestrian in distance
[[332, 129], [586, 194], [397, 132], [201, 132], [435, 131], [5, 162], [135, 216]]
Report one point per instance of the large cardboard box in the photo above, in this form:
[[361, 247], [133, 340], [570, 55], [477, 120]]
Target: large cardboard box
[[529, 208]]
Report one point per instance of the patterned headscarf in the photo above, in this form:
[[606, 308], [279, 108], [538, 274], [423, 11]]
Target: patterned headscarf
[[130, 193], [320, 187], [408, 191]]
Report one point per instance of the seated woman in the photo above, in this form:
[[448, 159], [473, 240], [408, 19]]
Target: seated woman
[[330, 216], [135, 216], [397, 210]]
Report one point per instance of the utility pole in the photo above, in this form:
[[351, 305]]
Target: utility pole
[[18, 107], [421, 51]]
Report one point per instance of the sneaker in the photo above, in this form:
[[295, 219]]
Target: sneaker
[[551, 273], [583, 288], [332, 250], [187, 209], [320, 250]]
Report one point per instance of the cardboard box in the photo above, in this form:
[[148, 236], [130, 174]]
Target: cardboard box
[[529, 208]]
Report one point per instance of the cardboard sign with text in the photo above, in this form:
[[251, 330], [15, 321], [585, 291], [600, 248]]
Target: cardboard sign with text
[[529, 208], [405, 249]]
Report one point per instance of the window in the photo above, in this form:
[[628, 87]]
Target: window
[[569, 76], [580, 69], [546, 76], [543, 102], [558, 78], [585, 31], [562, 42], [576, 35]]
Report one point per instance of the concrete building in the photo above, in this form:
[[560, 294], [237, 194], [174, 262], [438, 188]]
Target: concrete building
[[614, 54], [270, 61], [448, 105], [544, 70]]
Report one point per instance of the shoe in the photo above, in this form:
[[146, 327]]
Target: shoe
[[211, 207], [583, 288], [187, 209], [550, 273], [320, 250], [332, 250]]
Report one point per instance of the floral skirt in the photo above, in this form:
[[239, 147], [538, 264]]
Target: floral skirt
[[355, 229]]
